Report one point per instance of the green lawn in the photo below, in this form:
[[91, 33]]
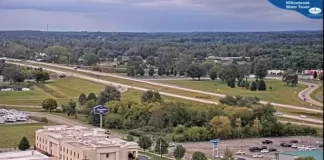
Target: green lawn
[[10, 135], [318, 92], [280, 93]]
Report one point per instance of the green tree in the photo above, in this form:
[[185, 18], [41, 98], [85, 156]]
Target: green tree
[[90, 59], [109, 93], [179, 152], [150, 61], [208, 65], [161, 146], [160, 72], [151, 71], [221, 125], [91, 96], [256, 127], [261, 69], [71, 108], [49, 104], [305, 158], [24, 144], [262, 85], [213, 73], [82, 99], [151, 97], [129, 138], [253, 86], [145, 142], [114, 121], [141, 71], [199, 156], [228, 154], [196, 70]]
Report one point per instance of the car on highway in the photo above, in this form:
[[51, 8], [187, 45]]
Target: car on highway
[[267, 141], [303, 116], [272, 150], [255, 149], [240, 152], [257, 155], [171, 144], [264, 151]]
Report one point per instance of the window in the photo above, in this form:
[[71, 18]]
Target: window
[[78, 155], [74, 154], [67, 151], [71, 152], [107, 155]]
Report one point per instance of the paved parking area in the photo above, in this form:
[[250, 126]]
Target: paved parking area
[[245, 144]]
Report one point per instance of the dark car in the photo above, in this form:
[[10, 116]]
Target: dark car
[[321, 145], [255, 149], [264, 147], [238, 158], [287, 145], [282, 144], [272, 150], [267, 142], [293, 141]]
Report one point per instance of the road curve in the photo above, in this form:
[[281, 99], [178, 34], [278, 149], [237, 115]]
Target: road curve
[[168, 86], [308, 91]]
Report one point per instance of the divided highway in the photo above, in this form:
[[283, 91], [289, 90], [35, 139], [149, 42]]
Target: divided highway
[[163, 93]]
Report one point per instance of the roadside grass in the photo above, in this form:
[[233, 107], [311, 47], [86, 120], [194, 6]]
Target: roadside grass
[[153, 156], [297, 112], [133, 83], [279, 93], [13, 133], [297, 120], [318, 92]]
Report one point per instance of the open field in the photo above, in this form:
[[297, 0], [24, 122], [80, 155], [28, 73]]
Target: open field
[[12, 134], [296, 112], [279, 94], [318, 92]]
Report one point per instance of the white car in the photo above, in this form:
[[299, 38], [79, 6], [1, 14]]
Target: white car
[[264, 151], [302, 116], [171, 145], [220, 156], [240, 152], [294, 146], [311, 148], [257, 155]]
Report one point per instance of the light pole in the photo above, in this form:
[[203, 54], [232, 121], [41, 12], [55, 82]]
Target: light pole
[[5, 145]]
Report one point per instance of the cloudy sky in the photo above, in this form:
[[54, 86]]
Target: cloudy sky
[[150, 16]]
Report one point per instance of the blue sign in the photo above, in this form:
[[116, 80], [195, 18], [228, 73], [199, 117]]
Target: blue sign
[[312, 9], [100, 109], [319, 97]]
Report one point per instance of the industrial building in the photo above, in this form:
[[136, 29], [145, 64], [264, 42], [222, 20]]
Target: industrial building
[[82, 143]]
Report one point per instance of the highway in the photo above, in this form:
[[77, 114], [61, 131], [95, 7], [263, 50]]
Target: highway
[[172, 95], [162, 85]]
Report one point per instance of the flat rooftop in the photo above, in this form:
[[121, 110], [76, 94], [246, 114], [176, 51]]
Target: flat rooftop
[[23, 155], [317, 154]]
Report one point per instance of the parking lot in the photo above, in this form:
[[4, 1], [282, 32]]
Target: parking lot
[[245, 144]]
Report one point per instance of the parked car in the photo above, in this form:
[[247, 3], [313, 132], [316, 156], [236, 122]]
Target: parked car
[[239, 158], [294, 146], [293, 141], [257, 155], [272, 150], [267, 142], [240, 152], [320, 145], [282, 144], [255, 149], [287, 145], [264, 151]]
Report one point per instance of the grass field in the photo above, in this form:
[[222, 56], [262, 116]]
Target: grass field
[[318, 92], [10, 135], [279, 94]]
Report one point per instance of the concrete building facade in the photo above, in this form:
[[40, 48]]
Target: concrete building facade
[[82, 143]]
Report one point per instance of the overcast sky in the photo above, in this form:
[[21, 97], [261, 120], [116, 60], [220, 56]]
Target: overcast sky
[[150, 16]]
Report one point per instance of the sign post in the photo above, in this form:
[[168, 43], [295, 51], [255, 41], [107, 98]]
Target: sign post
[[100, 109]]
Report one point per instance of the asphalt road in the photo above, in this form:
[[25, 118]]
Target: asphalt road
[[307, 92], [162, 93]]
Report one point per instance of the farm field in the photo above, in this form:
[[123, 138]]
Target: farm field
[[279, 93]]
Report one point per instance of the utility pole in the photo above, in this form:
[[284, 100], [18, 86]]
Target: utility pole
[[161, 147]]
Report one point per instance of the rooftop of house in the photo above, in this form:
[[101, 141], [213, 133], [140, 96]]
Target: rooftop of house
[[23, 155]]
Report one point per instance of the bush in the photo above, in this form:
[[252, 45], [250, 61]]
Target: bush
[[129, 138], [179, 138], [253, 86], [24, 144], [262, 85], [136, 133], [44, 120]]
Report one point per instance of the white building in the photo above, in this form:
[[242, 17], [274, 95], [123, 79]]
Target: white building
[[77, 142], [23, 155]]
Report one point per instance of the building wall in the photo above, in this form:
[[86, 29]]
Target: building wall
[[69, 152]]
